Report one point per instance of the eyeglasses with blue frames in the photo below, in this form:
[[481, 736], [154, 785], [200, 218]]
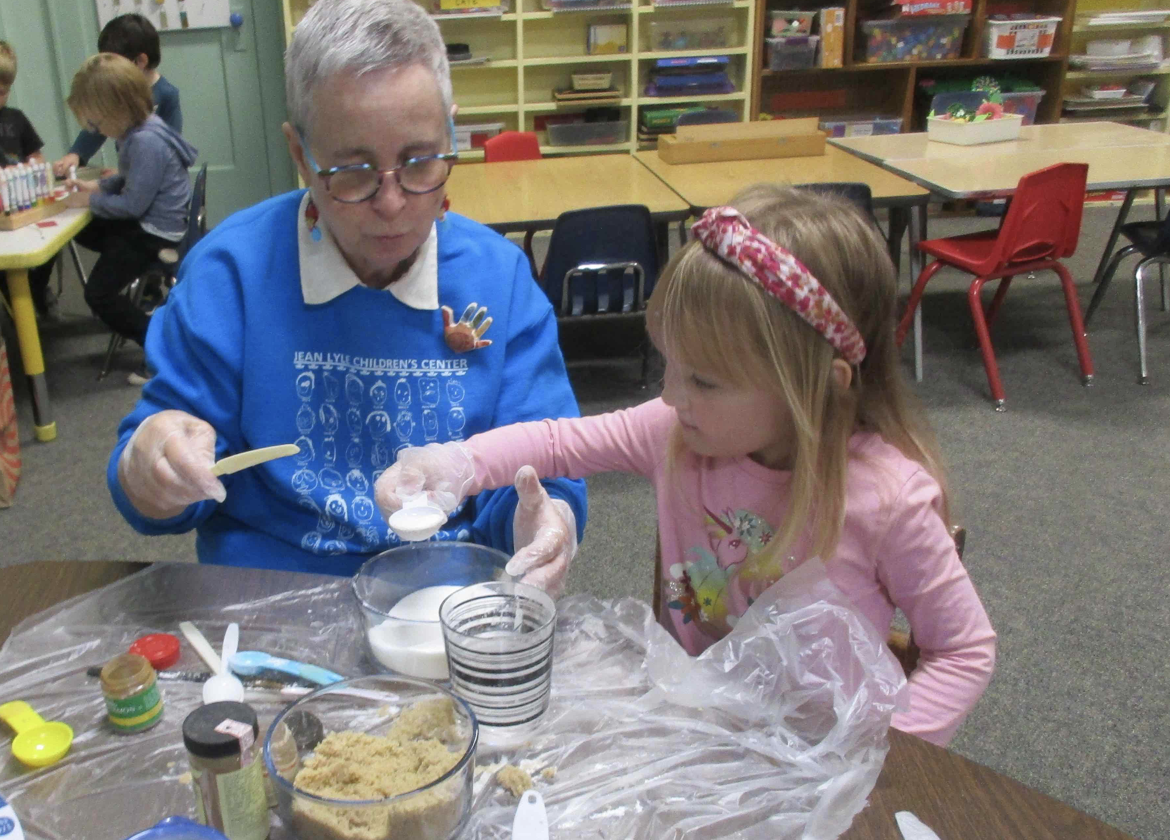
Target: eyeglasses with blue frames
[[358, 182]]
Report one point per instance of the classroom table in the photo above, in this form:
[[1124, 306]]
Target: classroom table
[[957, 797], [20, 250], [704, 185], [1119, 157], [528, 195]]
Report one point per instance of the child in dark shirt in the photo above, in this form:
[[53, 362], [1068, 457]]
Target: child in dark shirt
[[133, 37], [20, 143]]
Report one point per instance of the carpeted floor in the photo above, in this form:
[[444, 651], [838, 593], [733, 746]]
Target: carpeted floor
[[1063, 496]]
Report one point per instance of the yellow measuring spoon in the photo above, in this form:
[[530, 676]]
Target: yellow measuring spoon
[[37, 743], [235, 463]]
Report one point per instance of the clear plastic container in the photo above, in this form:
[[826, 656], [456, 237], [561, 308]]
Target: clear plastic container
[[690, 34], [797, 52], [474, 135], [861, 126], [790, 22], [927, 38], [584, 134], [1024, 102]]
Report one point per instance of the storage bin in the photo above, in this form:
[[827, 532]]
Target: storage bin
[[860, 125], [798, 52], [928, 38], [1023, 103], [693, 34], [974, 133], [592, 81], [474, 135], [583, 133], [791, 23], [1019, 37]]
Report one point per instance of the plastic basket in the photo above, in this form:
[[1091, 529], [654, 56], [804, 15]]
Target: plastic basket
[[975, 133], [791, 23], [1023, 38], [798, 52]]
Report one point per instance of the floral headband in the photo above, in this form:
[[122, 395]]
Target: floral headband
[[728, 234]]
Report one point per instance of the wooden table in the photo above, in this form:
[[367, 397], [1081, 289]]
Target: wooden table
[[529, 194], [20, 250], [704, 185], [959, 799]]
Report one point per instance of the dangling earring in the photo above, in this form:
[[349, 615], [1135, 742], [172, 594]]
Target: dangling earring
[[311, 219]]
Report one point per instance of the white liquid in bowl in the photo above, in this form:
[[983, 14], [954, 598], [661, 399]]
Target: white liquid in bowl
[[410, 641]]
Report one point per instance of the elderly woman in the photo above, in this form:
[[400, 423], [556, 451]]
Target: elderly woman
[[355, 319]]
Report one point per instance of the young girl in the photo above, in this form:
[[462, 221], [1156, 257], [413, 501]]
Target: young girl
[[141, 209], [784, 432]]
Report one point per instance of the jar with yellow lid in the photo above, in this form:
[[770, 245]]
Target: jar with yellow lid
[[133, 699]]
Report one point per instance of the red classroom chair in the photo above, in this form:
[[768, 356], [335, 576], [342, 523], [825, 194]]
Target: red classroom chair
[[1040, 228], [515, 145]]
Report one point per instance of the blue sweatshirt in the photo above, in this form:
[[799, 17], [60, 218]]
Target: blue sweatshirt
[[166, 107], [351, 381], [152, 184]]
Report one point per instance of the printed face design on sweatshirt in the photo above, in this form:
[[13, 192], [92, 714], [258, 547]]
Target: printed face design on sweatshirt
[[352, 415], [715, 583]]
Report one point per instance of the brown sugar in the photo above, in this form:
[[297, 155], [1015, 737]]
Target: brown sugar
[[357, 766], [514, 780]]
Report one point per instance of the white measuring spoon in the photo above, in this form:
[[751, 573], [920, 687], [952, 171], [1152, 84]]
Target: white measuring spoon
[[419, 519], [243, 460], [225, 685]]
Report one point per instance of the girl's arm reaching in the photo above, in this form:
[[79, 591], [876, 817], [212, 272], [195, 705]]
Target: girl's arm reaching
[[921, 571], [632, 440]]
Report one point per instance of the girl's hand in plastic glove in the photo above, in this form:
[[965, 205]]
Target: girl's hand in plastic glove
[[444, 470], [545, 533], [166, 465]]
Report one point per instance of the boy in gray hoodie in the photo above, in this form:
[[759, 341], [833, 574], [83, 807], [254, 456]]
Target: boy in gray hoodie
[[141, 209]]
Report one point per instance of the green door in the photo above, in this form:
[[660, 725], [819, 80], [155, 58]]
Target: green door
[[230, 81]]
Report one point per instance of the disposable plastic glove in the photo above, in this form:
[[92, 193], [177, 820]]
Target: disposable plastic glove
[[444, 470], [544, 531], [166, 465]]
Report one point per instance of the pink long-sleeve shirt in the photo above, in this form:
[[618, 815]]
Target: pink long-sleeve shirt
[[716, 515]]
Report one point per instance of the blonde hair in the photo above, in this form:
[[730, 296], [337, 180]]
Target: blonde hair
[[113, 87], [711, 317], [7, 63]]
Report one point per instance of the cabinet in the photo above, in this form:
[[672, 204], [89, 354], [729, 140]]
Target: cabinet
[[529, 51], [893, 89]]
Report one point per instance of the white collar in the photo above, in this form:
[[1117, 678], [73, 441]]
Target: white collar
[[325, 274]]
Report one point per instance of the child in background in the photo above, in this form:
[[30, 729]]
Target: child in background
[[20, 143], [785, 432], [141, 209], [133, 37]]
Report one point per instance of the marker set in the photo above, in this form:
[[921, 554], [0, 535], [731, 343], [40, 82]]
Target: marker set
[[25, 186]]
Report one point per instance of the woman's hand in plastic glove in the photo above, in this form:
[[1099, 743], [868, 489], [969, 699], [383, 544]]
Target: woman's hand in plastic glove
[[544, 531], [166, 465], [444, 470]]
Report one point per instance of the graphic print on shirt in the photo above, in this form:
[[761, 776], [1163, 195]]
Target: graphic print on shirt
[[707, 587], [355, 414]]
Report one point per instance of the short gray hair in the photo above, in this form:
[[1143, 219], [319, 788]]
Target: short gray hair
[[360, 36]]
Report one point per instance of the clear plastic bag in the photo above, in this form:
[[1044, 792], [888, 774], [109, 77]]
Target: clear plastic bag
[[777, 731]]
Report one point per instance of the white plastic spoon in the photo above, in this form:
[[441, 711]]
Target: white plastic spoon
[[243, 460], [225, 685]]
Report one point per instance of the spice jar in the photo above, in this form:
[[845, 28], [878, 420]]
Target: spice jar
[[226, 771], [133, 700]]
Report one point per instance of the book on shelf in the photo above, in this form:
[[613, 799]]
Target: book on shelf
[[578, 96]]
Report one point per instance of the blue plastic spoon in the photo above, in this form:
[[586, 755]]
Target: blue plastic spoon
[[249, 663]]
